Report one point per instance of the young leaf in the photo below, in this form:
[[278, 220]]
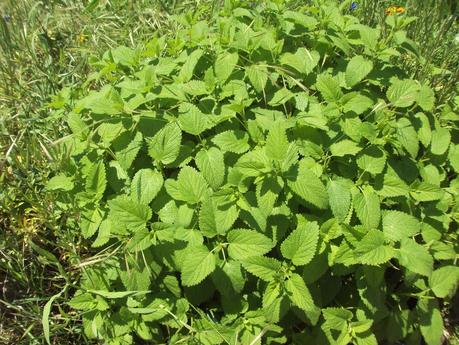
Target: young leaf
[[165, 145], [357, 69], [60, 182], [186, 72], [258, 76], [232, 141], [145, 185], [329, 88], [430, 321], [215, 218], [262, 267], [302, 60], [299, 294], [371, 249], [306, 185], [339, 196], [444, 281], [129, 212], [277, 143], [441, 138], [403, 93], [398, 225], [190, 186], [244, 243], [212, 166], [281, 97], [191, 119], [126, 148], [415, 257], [344, 147], [300, 245], [224, 65], [367, 208], [198, 263], [372, 159]]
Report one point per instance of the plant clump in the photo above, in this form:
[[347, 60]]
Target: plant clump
[[269, 176]]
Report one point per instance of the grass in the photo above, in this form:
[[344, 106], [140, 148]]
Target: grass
[[47, 45], [434, 31], [43, 47]]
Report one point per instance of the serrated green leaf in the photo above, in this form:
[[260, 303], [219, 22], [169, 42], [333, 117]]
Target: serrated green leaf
[[397, 225], [356, 103], [262, 267], [190, 186], [224, 65], [300, 296], [106, 101], [304, 20], [367, 208], [345, 147], [60, 182], [426, 192], [165, 145], [90, 221], [145, 185], [129, 212], [441, 139], [281, 97], [258, 76], [403, 93], [339, 196], [430, 321], [244, 243], [274, 306], [96, 180], [336, 318], [186, 72], [444, 281], [191, 119], [212, 166], [301, 100], [453, 157], [372, 159], [103, 235], [308, 186], [300, 245], [126, 148], [215, 218], [195, 88], [302, 60], [198, 263], [329, 88], [422, 126], [407, 136], [232, 141], [277, 143], [357, 69], [426, 98], [371, 250], [415, 257], [229, 278]]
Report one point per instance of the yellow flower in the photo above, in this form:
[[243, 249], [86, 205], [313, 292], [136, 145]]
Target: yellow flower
[[392, 10], [81, 38]]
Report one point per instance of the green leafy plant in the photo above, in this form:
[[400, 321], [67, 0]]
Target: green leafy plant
[[270, 176]]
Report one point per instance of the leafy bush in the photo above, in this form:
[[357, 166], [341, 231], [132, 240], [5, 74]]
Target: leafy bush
[[267, 177]]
